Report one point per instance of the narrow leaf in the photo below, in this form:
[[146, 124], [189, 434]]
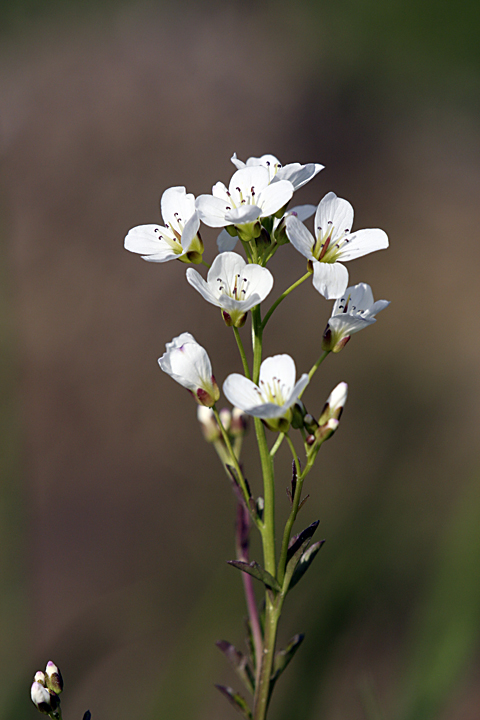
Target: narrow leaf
[[239, 662], [259, 573], [305, 562], [294, 480], [87, 715], [298, 540], [283, 657], [237, 700]]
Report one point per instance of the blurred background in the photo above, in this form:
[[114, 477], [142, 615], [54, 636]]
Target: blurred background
[[115, 517]]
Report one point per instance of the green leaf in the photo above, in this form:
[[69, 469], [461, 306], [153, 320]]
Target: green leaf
[[305, 562], [283, 657], [237, 700], [239, 662], [298, 540], [256, 571]]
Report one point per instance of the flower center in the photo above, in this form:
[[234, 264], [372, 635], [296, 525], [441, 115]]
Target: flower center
[[173, 235], [274, 391], [272, 168], [243, 198], [237, 289], [326, 248], [346, 307]]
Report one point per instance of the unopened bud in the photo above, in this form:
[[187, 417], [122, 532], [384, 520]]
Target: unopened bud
[[225, 418], [324, 432], [335, 403], [239, 423], [298, 413], [206, 418], [40, 678], [54, 680], [332, 342], [309, 423], [44, 700]]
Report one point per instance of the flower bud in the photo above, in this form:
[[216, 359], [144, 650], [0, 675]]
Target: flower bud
[[44, 700], [225, 418], [309, 423], [298, 413], [324, 432], [239, 423], [335, 403], [40, 678], [54, 680], [208, 424]]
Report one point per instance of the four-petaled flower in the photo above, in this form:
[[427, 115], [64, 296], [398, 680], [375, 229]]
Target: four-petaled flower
[[250, 196], [274, 395], [188, 363], [178, 240], [351, 313], [333, 242], [233, 286], [297, 174]]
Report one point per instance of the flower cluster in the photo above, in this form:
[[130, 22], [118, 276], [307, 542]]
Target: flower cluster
[[253, 209], [45, 690]]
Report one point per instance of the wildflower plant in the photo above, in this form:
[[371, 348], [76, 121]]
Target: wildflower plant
[[253, 214]]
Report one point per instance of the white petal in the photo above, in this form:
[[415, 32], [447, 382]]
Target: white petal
[[190, 231], [377, 307], [299, 388], [330, 279], [298, 174], [281, 367], [190, 366], [219, 190], [239, 164], [211, 210], [302, 212], [346, 324], [243, 180], [225, 242], [226, 265], [177, 205], [338, 396], [197, 282], [362, 242], [241, 392], [336, 212], [243, 214], [275, 196], [146, 240], [260, 280], [299, 236]]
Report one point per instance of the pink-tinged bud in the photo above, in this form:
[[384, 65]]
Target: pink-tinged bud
[[40, 678], [333, 408], [324, 432], [188, 363], [54, 680], [225, 418]]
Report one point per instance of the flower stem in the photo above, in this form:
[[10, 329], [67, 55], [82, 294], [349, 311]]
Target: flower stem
[[315, 367], [282, 297], [246, 369], [277, 444], [233, 457]]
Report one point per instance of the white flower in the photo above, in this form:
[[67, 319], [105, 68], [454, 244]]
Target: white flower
[[233, 286], [297, 174], [178, 240], [351, 313], [274, 395], [333, 241], [250, 196], [188, 363]]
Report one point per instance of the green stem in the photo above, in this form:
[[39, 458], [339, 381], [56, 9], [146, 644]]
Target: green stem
[[227, 442], [262, 690], [206, 264], [315, 368], [277, 444], [283, 296], [242, 352]]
